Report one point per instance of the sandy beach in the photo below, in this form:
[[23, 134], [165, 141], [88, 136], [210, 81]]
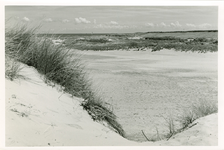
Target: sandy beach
[[144, 87], [41, 115]]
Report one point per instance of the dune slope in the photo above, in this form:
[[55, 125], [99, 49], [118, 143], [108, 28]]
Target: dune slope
[[41, 115]]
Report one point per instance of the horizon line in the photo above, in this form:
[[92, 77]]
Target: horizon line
[[216, 30]]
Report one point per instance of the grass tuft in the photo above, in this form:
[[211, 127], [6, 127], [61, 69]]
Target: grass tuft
[[197, 110], [204, 108], [187, 118], [59, 66], [171, 126], [12, 69], [101, 111]]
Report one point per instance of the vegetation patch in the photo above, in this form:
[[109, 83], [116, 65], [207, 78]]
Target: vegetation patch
[[58, 65], [200, 108], [197, 110], [150, 41], [12, 69]]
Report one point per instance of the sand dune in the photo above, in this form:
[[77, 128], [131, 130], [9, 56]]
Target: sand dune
[[40, 115]]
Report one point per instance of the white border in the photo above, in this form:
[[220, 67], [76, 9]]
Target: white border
[[118, 3]]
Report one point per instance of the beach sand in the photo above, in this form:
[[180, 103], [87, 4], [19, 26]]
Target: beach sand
[[145, 87], [41, 115]]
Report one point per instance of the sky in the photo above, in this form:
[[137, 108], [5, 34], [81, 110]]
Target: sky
[[113, 19]]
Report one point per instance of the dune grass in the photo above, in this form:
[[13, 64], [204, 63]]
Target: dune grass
[[12, 69], [58, 66], [178, 123], [197, 110]]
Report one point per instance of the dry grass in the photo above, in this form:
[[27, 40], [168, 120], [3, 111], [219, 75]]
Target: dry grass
[[187, 118], [59, 66], [12, 69], [197, 110]]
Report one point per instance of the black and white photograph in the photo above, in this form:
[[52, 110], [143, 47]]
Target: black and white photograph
[[111, 75]]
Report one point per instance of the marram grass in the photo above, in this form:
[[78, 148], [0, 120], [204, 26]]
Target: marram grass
[[59, 66]]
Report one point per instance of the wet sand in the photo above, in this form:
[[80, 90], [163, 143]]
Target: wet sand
[[145, 87]]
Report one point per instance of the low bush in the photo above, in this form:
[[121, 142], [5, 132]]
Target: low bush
[[132, 44], [162, 38], [101, 40]]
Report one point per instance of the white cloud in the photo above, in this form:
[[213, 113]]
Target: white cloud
[[113, 22], [204, 25], [149, 24], [77, 20], [48, 20], [190, 25], [82, 20], [178, 24], [26, 19], [163, 24], [112, 26], [200, 26], [65, 20], [175, 24]]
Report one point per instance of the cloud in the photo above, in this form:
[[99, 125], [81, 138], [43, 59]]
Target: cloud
[[77, 20], [112, 26], [163, 24], [175, 24], [178, 24], [48, 20], [190, 25], [149, 25], [200, 26], [113, 22], [82, 20], [25, 19], [65, 21], [204, 25]]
